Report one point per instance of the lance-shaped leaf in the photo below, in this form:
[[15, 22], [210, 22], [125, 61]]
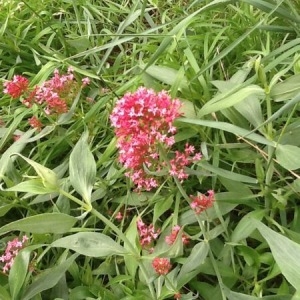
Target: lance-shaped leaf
[[43, 223], [90, 244], [48, 279], [49, 177], [82, 169], [286, 253]]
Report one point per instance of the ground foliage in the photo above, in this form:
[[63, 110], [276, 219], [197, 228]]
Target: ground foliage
[[235, 67]]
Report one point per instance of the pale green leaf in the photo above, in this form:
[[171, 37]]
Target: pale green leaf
[[286, 253], [48, 279], [82, 168], [42, 223], [192, 263], [230, 98], [49, 177], [90, 244], [288, 156]]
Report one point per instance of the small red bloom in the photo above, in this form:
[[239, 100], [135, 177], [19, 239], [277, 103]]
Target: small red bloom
[[35, 123], [170, 239], [202, 202], [16, 87], [162, 266]]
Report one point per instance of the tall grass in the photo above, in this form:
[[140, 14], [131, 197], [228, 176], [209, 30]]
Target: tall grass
[[235, 67]]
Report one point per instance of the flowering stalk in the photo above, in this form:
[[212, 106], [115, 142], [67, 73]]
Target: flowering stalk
[[144, 128]]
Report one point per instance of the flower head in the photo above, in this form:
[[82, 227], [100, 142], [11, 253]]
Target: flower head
[[11, 251], [161, 266], [16, 87], [170, 239], [201, 202], [146, 233], [35, 123], [143, 123]]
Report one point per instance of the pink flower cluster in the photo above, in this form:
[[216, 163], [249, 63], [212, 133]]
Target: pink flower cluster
[[143, 123], [16, 87], [161, 266], [12, 249], [146, 233], [53, 95], [170, 239], [201, 202]]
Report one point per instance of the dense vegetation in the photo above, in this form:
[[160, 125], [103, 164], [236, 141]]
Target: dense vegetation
[[104, 196]]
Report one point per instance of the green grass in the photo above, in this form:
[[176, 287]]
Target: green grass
[[235, 66]]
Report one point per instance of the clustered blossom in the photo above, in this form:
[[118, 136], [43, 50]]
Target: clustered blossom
[[161, 266], [147, 234], [53, 95], [202, 202], [12, 249], [143, 123], [16, 87], [170, 239], [35, 122]]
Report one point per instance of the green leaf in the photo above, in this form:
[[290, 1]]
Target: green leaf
[[193, 262], [48, 279], [16, 147], [287, 89], [4, 295], [82, 168], [238, 131], [43, 223], [49, 177], [226, 173], [19, 270], [286, 253], [288, 156], [246, 226], [34, 186], [161, 207], [230, 98], [90, 244]]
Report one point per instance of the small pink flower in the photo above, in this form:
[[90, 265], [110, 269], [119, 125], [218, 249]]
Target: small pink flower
[[161, 266], [16, 87], [202, 202], [119, 216], [11, 251], [35, 123], [146, 233], [170, 239], [85, 81]]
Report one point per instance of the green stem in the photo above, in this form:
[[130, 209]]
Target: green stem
[[206, 239], [120, 234]]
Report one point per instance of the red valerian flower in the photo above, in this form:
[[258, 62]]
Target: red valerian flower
[[170, 239], [16, 87], [146, 233], [201, 202], [35, 123], [161, 266], [11, 251], [143, 123]]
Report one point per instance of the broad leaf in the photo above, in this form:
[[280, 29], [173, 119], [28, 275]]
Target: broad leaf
[[288, 156], [43, 223], [193, 262], [286, 253], [49, 177], [90, 244], [82, 168], [48, 279]]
